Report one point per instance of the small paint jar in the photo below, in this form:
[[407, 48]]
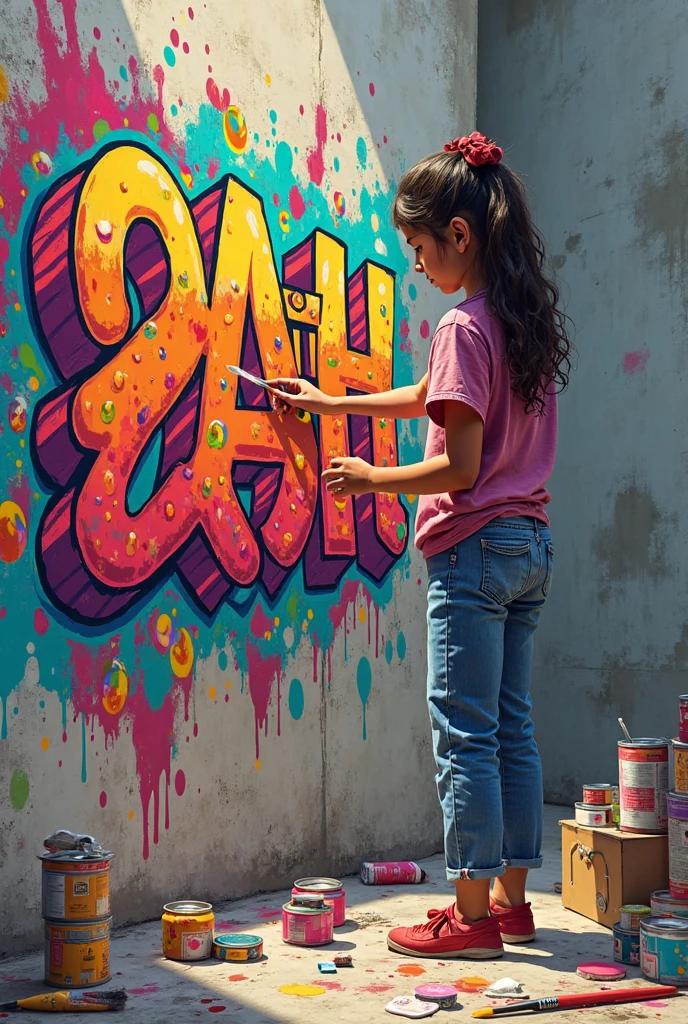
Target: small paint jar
[[626, 946], [187, 930], [330, 889], [304, 927], [238, 948], [598, 793], [444, 995], [683, 718], [594, 816], [680, 751], [631, 915], [664, 950]]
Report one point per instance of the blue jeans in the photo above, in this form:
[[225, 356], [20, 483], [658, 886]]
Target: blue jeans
[[484, 600]]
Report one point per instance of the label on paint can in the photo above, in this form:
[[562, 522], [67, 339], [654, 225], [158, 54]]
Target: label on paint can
[[664, 950], [643, 781], [631, 915], [626, 946], [197, 945], [678, 845], [598, 793], [404, 872], [680, 751]]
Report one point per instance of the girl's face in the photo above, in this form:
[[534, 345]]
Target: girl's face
[[449, 266]]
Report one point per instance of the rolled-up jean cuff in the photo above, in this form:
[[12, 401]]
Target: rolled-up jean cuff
[[466, 874], [536, 862]]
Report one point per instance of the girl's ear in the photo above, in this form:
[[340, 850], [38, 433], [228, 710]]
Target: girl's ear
[[460, 233]]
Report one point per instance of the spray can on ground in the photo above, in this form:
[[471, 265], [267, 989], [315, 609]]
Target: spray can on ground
[[403, 872]]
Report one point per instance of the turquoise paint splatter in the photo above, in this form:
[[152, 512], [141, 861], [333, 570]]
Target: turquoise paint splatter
[[173, 109], [364, 682], [362, 152], [123, 73], [413, 292], [296, 701], [283, 158], [170, 56], [389, 652], [401, 646], [335, 163], [273, 116], [222, 661]]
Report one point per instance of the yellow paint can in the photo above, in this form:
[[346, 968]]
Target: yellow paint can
[[76, 887], [77, 954], [187, 930]]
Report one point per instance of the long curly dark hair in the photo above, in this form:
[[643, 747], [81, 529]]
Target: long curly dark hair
[[492, 199]]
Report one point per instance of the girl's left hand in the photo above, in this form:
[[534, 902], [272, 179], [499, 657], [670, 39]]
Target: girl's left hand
[[348, 476]]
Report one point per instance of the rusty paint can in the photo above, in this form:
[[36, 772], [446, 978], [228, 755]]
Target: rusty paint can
[[663, 904], [683, 718], [677, 809], [303, 927], [595, 815], [75, 887], [77, 953], [598, 793], [187, 930], [643, 782], [330, 889], [680, 751]]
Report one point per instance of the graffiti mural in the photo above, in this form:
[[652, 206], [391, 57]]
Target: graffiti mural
[[157, 518]]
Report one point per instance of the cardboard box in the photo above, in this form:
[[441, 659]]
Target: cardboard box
[[615, 868]]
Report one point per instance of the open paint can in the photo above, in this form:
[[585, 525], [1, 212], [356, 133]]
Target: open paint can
[[663, 904], [631, 915], [643, 782], [304, 927], [664, 950], [329, 889], [187, 930]]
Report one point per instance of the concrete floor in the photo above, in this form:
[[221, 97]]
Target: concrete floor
[[161, 991]]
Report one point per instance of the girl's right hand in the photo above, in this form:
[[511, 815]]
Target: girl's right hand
[[295, 393]]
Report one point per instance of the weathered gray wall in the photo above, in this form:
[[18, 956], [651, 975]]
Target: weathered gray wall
[[590, 100]]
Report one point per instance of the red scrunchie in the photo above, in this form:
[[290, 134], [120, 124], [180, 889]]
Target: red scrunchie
[[476, 149]]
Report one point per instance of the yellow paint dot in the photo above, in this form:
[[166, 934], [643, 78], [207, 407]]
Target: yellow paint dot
[[257, 765], [277, 621], [304, 626], [228, 685], [375, 222], [2, 203], [131, 815], [174, 612], [17, 306], [411, 498], [361, 614], [19, 463], [126, 122], [211, 693], [34, 383], [310, 613], [22, 443], [304, 991], [45, 743], [268, 79], [4, 88]]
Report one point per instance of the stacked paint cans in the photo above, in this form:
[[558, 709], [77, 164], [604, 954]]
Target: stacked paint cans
[[627, 933], [643, 785], [76, 912], [317, 907], [677, 808], [599, 806]]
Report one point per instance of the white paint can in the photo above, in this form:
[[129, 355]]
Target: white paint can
[[643, 783], [594, 815]]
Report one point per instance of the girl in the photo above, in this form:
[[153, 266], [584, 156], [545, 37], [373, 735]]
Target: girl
[[496, 363]]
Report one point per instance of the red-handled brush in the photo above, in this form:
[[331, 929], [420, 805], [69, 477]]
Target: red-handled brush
[[578, 1000]]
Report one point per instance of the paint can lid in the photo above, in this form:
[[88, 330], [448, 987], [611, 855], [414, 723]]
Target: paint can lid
[[599, 970], [404, 1006], [188, 907], [597, 785], [318, 884], [435, 992], [618, 930], [645, 741], [679, 744], [238, 941], [674, 927], [635, 908], [308, 910], [76, 857], [664, 896]]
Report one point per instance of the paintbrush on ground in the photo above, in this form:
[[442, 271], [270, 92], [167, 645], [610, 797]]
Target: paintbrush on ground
[[75, 1002], [581, 999]]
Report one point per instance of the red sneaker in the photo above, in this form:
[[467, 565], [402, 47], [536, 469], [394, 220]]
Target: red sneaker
[[516, 924], [445, 938]]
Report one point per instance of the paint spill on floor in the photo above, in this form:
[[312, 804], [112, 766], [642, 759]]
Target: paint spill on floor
[[331, 986], [471, 984], [237, 977], [410, 970], [303, 991], [147, 990]]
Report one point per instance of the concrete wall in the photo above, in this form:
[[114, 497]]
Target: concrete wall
[[590, 101], [205, 663]]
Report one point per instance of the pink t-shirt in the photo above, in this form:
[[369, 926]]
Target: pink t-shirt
[[468, 364]]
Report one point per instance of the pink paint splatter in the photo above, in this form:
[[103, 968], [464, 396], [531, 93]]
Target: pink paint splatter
[[635, 362], [374, 990], [180, 783], [219, 101], [296, 203], [261, 623], [262, 672], [315, 159], [425, 329], [103, 799], [213, 167], [40, 622], [268, 914], [331, 986], [371, 89], [5, 379], [404, 329], [147, 990], [174, 37], [216, 1009]]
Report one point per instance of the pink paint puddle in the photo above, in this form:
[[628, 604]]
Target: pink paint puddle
[[373, 990], [147, 990], [331, 986], [635, 362]]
